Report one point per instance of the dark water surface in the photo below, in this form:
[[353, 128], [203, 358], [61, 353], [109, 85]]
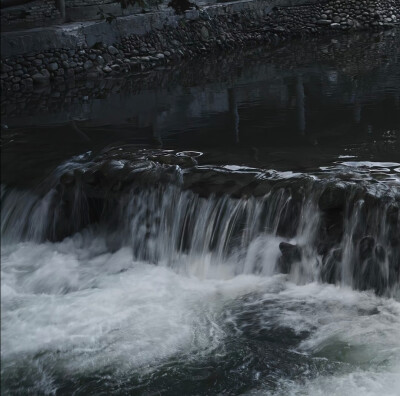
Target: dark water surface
[[228, 226], [293, 107]]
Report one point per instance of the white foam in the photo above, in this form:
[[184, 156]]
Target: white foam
[[370, 164], [365, 383], [89, 309], [357, 330], [100, 308]]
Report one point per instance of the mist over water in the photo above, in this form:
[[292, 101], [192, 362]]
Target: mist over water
[[261, 267]]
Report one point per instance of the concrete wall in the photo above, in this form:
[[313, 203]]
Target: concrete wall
[[72, 35], [42, 13], [33, 14], [89, 10]]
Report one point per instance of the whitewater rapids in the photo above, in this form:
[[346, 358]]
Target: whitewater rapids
[[182, 295], [73, 310]]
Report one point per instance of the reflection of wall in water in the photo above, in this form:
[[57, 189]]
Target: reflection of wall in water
[[262, 101]]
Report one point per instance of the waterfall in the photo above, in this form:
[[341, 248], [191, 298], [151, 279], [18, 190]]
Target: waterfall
[[311, 229]]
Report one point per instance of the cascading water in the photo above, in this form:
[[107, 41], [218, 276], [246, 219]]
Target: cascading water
[[315, 229], [131, 268]]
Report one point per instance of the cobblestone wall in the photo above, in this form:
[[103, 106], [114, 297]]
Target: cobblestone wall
[[197, 34]]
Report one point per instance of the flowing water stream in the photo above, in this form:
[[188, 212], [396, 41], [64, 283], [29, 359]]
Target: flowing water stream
[[244, 239]]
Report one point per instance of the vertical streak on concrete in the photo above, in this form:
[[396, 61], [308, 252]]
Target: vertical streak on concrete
[[233, 110], [301, 111]]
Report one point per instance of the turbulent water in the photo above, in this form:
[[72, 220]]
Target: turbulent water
[[156, 288], [256, 253]]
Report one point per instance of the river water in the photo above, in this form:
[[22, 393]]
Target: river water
[[230, 226]]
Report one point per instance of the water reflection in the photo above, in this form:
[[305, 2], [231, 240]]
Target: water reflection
[[336, 96]]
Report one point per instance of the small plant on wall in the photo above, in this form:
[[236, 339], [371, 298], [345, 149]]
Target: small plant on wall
[[108, 17], [180, 6]]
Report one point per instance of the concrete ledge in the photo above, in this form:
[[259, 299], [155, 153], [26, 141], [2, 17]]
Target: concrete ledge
[[72, 35], [91, 13]]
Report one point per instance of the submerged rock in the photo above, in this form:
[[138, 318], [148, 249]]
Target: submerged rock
[[290, 254]]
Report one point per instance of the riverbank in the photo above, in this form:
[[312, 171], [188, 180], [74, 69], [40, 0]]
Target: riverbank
[[146, 41], [358, 53]]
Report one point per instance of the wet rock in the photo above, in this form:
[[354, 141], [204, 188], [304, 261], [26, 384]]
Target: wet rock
[[324, 22], [290, 254], [40, 79], [333, 197], [290, 218], [204, 33], [46, 73], [112, 50], [100, 60], [6, 68], [260, 189], [88, 65], [370, 269], [93, 177], [53, 66], [67, 179], [366, 247]]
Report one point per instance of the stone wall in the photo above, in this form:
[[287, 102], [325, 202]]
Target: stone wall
[[141, 43], [358, 54], [342, 15], [33, 14]]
